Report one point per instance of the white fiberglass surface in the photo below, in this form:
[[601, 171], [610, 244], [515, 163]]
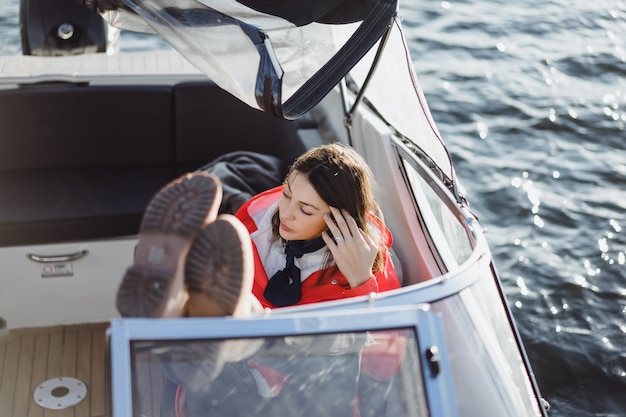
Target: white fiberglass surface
[[62, 284], [488, 371]]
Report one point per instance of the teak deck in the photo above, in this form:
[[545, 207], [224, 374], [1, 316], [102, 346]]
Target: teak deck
[[31, 356]]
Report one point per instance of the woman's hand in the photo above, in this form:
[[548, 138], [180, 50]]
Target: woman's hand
[[353, 250]]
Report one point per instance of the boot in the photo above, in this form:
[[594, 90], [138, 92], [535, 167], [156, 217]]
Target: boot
[[219, 274], [154, 286]]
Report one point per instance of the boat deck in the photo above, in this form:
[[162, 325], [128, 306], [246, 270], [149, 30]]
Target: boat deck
[[28, 357]]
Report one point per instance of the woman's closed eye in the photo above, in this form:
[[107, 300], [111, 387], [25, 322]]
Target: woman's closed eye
[[303, 207]]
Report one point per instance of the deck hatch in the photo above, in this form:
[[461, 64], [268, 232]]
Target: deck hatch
[[60, 393]]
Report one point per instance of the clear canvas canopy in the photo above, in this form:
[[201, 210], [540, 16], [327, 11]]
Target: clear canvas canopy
[[284, 56]]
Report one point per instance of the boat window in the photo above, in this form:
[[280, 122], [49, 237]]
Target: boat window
[[447, 232], [366, 373]]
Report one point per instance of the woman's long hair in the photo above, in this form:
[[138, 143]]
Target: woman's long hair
[[343, 180]]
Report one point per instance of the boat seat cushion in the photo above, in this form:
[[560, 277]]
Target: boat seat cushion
[[210, 123], [81, 162], [56, 205], [63, 126]]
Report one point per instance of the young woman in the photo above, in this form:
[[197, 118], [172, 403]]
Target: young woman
[[318, 237], [325, 212]]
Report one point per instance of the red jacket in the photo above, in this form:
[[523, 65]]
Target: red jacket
[[335, 287]]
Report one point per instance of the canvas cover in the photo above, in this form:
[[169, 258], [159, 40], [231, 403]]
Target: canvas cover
[[284, 56]]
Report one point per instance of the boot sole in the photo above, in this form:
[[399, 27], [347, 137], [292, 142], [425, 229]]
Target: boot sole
[[154, 285], [219, 270]]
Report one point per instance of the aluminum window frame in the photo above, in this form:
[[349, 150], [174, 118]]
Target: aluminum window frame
[[426, 325]]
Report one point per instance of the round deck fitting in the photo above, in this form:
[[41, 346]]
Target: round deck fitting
[[60, 393]]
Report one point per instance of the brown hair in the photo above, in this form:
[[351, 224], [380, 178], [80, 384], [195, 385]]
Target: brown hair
[[343, 180]]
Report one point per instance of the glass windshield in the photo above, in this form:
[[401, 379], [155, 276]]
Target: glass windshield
[[373, 373], [444, 227]]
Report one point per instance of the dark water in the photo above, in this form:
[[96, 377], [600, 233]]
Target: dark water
[[531, 100]]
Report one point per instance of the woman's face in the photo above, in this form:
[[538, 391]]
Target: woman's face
[[301, 210]]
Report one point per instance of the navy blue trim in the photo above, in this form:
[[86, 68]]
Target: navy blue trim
[[324, 80]]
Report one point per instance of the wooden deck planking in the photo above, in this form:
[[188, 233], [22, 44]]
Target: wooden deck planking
[[25, 367], [9, 376], [3, 350], [68, 365], [42, 346], [28, 357], [83, 370], [98, 375], [53, 368]]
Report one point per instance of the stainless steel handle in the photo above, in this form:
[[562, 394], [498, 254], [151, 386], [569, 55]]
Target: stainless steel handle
[[46, 259]]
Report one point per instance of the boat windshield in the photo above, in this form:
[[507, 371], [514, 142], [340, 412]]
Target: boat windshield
[[334, 374]]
